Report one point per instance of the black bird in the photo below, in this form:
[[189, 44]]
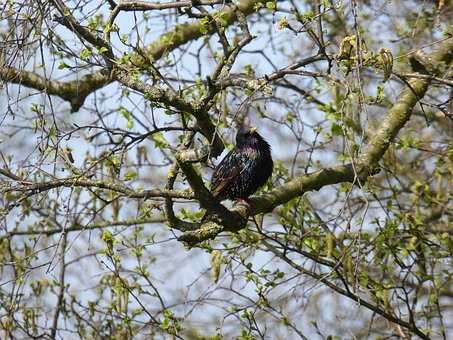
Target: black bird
[[244, 169]]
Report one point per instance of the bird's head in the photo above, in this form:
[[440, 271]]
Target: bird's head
[[246, 134]]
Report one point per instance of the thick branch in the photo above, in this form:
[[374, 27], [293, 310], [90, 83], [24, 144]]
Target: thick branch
[[268, 201], [229, 219], [149, 6], [74, 91]]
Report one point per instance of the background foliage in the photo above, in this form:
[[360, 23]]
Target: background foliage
[[114, 113]]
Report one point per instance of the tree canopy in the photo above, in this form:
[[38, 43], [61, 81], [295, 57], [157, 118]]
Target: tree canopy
[[114, 114]]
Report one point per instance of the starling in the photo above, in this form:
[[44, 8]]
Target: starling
[[244, 169]]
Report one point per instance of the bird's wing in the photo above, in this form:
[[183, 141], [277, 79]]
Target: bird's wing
[[225, 173]]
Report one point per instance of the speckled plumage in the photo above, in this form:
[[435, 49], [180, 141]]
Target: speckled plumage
[[244, 169]]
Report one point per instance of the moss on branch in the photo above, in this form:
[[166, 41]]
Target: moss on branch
[[74, 91]]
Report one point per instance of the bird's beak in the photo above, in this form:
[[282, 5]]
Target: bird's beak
[[253, 130]]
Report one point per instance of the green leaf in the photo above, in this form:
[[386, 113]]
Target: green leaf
[[204, 25], [102, 50], [130, 175], [216, 262], [380, 95], [62, 65], [271, 5], [336, 129], [159, 139], [128, 116], [223, 19], [283, 23], [85, 53]]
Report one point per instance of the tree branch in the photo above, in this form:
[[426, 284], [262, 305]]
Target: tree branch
[[75, 91], [34, 188], [80, 227], [230, 219], [60, 298], [154, 93], [87, 84], [322, 278], [395, 119]]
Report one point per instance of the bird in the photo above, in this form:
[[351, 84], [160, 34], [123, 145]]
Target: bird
[[244, 169]]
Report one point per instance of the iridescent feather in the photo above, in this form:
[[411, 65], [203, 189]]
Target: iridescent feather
[[244, 169]]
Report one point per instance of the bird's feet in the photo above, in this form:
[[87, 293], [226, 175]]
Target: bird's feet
[[243, 201]]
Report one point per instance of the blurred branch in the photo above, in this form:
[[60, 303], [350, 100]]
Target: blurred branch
[[400, 113], [226, 62], [427, 76], [194, 155], [76, 91], [80, 227], [59, 307], [184, 33], [9, 174], [170, 215], [322, 278], [135, 6], [268, 78], [153, 93]]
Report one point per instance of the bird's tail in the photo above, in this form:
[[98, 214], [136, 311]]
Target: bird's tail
[[207, 215]]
